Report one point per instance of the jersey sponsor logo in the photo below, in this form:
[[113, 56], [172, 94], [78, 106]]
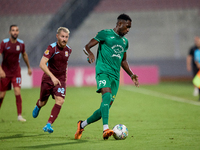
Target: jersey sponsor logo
[[118, 49], [46, 52], [102, 82], [57, 52], [17, 47], [66, 54], [118, 55]]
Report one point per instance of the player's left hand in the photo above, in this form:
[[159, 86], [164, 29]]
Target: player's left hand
[[29, 71], [91, 58], [135, 80]]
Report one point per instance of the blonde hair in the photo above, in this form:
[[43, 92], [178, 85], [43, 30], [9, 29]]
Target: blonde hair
[[64, 29]]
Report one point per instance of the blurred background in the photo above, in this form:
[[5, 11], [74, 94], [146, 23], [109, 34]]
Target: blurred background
[[162, 30]]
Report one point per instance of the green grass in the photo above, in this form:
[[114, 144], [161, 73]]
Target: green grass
[[154, 122]]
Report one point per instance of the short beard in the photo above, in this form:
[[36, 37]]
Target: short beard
[[13, 37]]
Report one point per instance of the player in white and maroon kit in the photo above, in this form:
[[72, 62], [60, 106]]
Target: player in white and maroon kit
[[54, 77], [10, 71]]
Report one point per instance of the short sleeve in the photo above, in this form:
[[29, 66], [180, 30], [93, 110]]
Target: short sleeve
[[100, 36], [196, 55], [49, 52]]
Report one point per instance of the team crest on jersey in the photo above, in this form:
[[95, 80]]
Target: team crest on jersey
[[17, 47], [66, 54], [46, 52], [124, 41]]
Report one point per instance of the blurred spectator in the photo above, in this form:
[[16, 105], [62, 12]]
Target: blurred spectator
[[190, 62]]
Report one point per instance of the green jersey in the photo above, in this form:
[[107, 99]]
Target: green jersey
[[110, 52]]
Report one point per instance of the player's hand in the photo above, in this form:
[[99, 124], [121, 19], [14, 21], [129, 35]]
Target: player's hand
[[2, 74], [135, 80], [55, 81], [29, 71], [91, 58]]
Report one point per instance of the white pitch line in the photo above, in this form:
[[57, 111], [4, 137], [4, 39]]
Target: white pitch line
[[161, 95]]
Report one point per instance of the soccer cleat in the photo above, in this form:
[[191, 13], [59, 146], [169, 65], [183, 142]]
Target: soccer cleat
[[48, 128], [79, 131], [20, 118], [36, 111], [107, 133]]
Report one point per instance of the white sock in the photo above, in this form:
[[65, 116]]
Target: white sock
[[84, 123], [105, 127]]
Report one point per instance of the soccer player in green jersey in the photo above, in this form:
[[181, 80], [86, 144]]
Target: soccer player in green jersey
[[111, 56]]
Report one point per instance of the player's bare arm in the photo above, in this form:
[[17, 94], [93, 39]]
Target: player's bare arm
[[66, 75], [25, 57], [43, 66], [188, 62], [2, 73], [126, 67], [87, 51]]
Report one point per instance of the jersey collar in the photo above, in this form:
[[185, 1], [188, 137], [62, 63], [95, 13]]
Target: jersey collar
[[117, 34]]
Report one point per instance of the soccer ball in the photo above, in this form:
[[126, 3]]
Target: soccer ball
[[120, 132]]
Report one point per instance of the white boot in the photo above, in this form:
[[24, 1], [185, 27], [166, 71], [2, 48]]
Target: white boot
[[20, 118]]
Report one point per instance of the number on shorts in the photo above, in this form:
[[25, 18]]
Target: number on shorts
[[61, 90], [18, 80], [102, 82]]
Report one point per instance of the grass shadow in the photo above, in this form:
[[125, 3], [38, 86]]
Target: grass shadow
[[53, 144], [18, 136]]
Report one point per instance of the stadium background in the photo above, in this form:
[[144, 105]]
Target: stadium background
[[162, 30]]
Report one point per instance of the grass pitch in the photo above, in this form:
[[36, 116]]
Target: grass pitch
[[158, 117]]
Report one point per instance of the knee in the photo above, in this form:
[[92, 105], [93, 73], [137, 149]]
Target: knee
[[17, 91], [60, 101], [2, 94]]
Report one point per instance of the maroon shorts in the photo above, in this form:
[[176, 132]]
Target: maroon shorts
[[48, 89], [5, 83]]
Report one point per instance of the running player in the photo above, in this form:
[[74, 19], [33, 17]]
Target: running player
[[111, 56], [10, 71], [54, 77]]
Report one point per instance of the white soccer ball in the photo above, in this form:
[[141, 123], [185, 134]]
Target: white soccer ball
[[120, 132]]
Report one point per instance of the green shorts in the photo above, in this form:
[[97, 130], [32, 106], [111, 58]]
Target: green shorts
[[104, 80]]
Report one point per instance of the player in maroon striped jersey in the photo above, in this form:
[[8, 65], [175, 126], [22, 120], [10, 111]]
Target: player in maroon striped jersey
[[54, 77], [10, 71]]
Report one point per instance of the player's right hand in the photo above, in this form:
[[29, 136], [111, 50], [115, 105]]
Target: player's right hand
[[91, 58], [135, 80], [55, 81], [2, 74]]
